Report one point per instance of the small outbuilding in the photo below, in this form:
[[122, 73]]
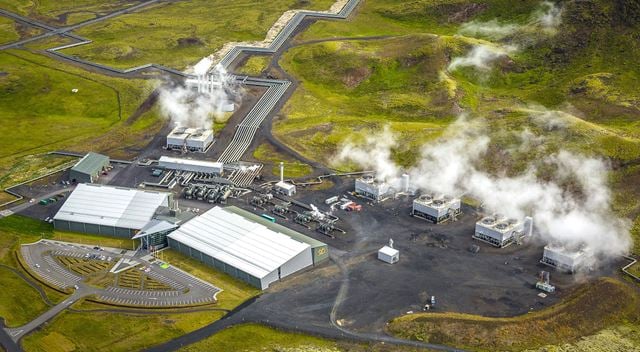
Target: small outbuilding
[[285, 188], [388, 254], [87, 169]]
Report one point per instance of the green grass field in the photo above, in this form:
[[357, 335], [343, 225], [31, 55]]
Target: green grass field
[[94, 118], [8, 31], [160, 35], [19, 302], [593, 307], [271, 158], [234, 291], [254, 65], [252, 337], [100, 331], [59, 13]]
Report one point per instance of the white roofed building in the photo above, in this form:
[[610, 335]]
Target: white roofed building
[[435, 209], [368, 187], [244, 247], [108, 210], [208, 167], [563, 259], [191, 139], [500, 231]]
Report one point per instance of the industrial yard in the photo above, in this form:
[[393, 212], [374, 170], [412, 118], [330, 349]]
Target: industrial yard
[[372, 248]]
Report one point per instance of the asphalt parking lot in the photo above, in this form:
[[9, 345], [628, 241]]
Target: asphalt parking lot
[[183, 289]]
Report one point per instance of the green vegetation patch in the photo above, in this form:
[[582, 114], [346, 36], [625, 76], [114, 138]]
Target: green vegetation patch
[[159, 34], [254, 65], [58, 13], [233, 292], [266, 153], [100, 331], [97, 117], [606, 302], [8, 31], [351, 89], [19, 302], [253, 337]]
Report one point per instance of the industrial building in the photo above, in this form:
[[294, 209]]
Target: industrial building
[[388, 254], [501, 232], [436, 209], [207, 167], [190, 139], [282, 187], [246, 246], [368, 187], [563, 259], [107, 210], [89, 168]]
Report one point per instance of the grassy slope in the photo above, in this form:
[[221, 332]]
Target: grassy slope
[[292, 168], [159, 34], [588, 66], [60, 13], [605, 303], [100, 331], [19, 302], [254, 65], [94, 118], [7, 30], [252, 337]]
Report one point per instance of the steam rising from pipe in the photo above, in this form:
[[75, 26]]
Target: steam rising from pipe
[[189, 108], [580, 217]]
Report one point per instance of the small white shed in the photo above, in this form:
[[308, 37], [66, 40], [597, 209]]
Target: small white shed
[[388, 255]]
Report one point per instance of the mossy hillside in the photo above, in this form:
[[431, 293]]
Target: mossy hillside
[[350, 88], [159, 34], [59, 13], [95, 118]]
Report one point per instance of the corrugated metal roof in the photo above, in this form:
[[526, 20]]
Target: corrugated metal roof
[[239, 242], [111, 206], [276, 227], [91, 163]]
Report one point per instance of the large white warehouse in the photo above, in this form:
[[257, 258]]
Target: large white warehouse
[[435, 209], [238, 243], [500, 231], [107, 210], [207, 167]]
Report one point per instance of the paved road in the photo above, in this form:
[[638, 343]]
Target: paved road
[[27, 204], [19, 332]]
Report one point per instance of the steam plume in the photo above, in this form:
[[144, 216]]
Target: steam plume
[[545, 20], [581, 218], [189, 108]]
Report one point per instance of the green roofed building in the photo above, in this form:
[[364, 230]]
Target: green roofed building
[[87, 169]]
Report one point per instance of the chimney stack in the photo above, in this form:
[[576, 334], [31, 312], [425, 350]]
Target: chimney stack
[[281, 171]]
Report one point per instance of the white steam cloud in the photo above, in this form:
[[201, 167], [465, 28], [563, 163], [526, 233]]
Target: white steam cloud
[[187, 107], [545, 20], [579, 217], [481, 57]]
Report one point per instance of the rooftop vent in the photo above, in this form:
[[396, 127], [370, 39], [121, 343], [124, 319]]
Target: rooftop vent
[[502, 226], [489, 221]]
